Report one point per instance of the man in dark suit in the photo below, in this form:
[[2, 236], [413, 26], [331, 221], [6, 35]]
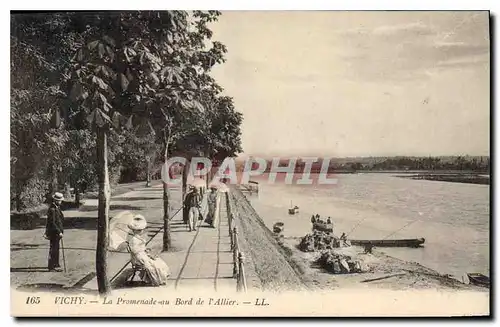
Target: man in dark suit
[[192, 202], [54, 230]]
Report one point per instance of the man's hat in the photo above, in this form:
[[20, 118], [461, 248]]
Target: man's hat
[[58, 196]]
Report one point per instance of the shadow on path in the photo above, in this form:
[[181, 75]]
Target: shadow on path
[[111, 207], [136, 198], [29, 269]]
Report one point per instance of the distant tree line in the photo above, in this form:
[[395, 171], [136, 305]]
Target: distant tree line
[[462, 163]]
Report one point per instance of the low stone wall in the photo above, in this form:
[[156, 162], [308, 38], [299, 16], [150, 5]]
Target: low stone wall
[[264, 256]]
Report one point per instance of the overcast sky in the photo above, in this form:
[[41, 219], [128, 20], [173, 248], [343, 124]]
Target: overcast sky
[[358, 83]]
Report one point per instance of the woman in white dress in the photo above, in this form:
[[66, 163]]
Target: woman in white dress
[[157, 271]]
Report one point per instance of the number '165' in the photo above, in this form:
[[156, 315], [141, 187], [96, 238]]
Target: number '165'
[[33, 300]]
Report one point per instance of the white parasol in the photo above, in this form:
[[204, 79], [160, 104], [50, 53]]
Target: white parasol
[[119, 230]]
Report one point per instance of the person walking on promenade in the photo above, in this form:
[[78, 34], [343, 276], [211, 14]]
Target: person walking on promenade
[[193, 204], [54, 231], [212, 206]]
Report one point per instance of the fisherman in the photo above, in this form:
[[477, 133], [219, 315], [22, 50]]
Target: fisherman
[[368, 248], [54, 231], [343, 238], [193, 204], [212, 206]]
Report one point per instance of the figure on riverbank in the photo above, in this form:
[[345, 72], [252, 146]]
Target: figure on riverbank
[[343, 238], [54, 231], [313, 219], [212, 198], [193, 204], [155, 270]]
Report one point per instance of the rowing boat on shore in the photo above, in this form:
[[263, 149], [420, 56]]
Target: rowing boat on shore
[[412, 243], [324, 227], [478, 279]]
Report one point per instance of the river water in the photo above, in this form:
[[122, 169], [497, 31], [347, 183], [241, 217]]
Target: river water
[[452, 217]]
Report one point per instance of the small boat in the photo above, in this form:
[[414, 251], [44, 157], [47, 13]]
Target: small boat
[[278, 227], [293, 210], [478, 279], [324, 227], [411, 243]]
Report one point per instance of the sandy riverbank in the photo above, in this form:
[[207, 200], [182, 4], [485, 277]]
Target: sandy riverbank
[[384, 271]]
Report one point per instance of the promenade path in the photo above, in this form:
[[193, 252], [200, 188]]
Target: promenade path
[[200, 258]]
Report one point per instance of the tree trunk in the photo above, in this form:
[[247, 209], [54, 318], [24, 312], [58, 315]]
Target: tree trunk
[[18, 195], [148, 172], [67, 191], [53, 179], [77, 195], [185, 211], [103, 211], [167, 241]]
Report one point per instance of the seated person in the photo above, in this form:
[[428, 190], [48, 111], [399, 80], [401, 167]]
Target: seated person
[[156, 269]]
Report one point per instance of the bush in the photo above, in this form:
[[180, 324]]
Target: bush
[[32, 194], [28, 219]]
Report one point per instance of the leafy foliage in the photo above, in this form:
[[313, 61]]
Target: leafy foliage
[[144, 76]]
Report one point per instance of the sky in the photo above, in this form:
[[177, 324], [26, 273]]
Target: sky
[[326, 83]]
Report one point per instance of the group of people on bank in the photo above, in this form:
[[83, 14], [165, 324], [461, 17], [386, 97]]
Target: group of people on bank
[[152, 268], [326, 226]]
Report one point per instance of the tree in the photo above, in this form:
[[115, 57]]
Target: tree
[[37, 51], [132, 64]]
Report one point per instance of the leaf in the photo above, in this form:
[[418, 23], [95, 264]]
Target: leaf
[[76, 92], [79, 55], [155, 78], [101, 50], [102, 97], [107, 71], [129, 76], [129, 124], [107, 108], [109, 40], [198, 105], [192, 85], [99, 82], [110, 52], [101, 118], [124, 82], [90, 117], [92, 44], [116, 119], [178, 78]]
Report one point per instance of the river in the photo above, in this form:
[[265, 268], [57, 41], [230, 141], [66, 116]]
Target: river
[[452, 217]]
